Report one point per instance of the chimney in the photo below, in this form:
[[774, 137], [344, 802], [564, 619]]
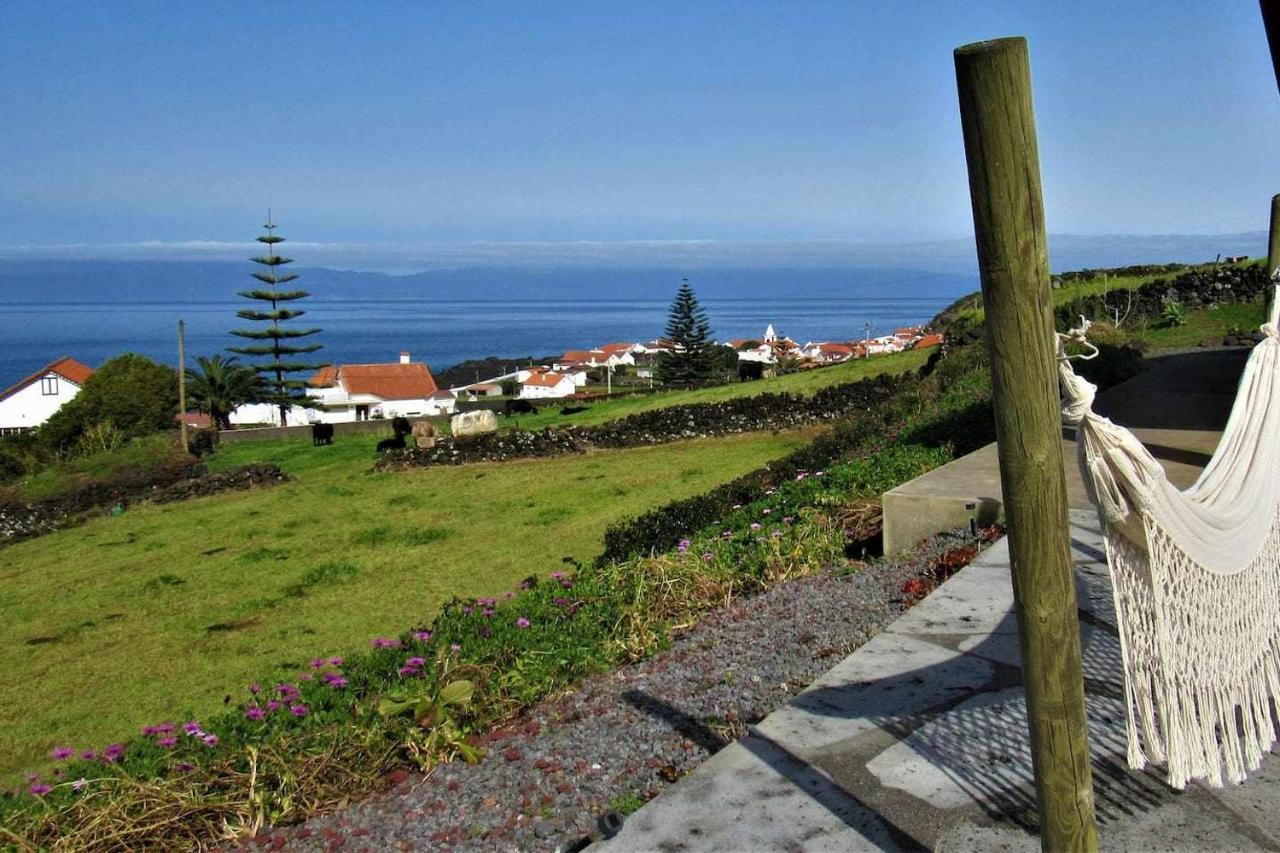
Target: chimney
[[404, 356]]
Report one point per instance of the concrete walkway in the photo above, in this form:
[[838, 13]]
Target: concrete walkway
[[918, 740], [1177, 408]]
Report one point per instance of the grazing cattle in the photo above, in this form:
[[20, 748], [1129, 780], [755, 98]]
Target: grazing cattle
[[573, 410], [473, 423], [321, 434], [401, 428], [521, 407]]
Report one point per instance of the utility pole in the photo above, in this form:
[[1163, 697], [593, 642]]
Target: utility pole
[[182, 384], [993, 79]]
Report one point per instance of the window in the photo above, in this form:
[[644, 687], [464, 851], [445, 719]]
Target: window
[[49, 386]]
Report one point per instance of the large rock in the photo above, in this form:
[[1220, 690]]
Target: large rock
[[473, 423], [424, 434]]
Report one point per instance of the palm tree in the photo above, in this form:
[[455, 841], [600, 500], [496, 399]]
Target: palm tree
[[220, 385]]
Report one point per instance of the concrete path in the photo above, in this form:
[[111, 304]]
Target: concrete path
[[1177, 408], [918, 740]]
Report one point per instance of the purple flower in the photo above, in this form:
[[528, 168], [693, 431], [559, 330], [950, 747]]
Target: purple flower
[[391, 642], [113, 753], [755, 525], [168, 741], [184, 767], [299, 710], [485, 632], [708, 556], [39, 789], [415, 661], [776, 534], [488, 613], [337, 682], [306, 676], [164, 728], [255, 688], [567, 584], [408, 671], [683, 546], [561, 602], [466, 610], [509, 595], [79, 784], [191, 728], [62, 753], [335, 661], [522, 622], [210, 740], [319, 663], [422, 636], [253, 712], [88, 755], [273, 705], [557, 575], [286, 691]]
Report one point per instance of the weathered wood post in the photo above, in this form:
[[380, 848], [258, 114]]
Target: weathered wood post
[[994, 83], [1273, 238]]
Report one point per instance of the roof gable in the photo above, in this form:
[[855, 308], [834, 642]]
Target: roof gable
[[66, 367], [393, 381]]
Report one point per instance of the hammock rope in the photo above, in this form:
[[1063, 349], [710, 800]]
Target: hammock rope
[[1195, 574]]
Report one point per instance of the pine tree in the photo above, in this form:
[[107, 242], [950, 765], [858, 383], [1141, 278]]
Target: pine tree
[[689, 361], [276, 341]]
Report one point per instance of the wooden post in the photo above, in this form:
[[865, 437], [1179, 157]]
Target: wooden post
[[1273, 238], [182, 384], [994, 83]]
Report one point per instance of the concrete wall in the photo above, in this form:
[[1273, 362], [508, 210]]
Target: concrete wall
[[382, 427]]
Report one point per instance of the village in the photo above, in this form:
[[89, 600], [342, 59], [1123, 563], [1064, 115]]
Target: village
[[346, 393]]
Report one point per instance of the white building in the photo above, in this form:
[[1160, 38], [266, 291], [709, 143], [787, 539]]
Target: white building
[[359, 392], [31, 402], [548, 384]]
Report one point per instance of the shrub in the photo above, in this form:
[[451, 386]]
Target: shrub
[[1174, 314], [130, 392]]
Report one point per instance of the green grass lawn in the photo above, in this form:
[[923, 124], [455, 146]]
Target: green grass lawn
[[164, 610], [804, 382], [1208, 324]]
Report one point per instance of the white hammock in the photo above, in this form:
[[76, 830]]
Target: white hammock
[[1196, 575]]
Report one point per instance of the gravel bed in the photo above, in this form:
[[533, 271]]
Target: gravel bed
[[620, 738]]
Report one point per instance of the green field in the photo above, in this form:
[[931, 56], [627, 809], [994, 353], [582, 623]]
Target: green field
[[804, 382], [165, 609], [1207, 325]]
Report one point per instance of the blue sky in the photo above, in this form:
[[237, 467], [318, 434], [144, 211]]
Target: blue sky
[[438, 122]]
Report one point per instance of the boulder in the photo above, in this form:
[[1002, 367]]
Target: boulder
[[424, 434], [473, 423]]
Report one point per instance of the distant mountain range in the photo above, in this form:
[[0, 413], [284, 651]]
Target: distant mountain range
[[568, 271]]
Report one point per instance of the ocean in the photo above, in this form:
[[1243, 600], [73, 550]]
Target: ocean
[[439, 332]]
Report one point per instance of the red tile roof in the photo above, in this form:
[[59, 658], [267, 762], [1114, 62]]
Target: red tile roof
[[620, 346], [195, 420], [835, 349], [929, 341], [66, 367], [545, 380], [411, 381], [582, 355]]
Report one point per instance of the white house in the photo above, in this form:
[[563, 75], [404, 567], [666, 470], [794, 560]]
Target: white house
[[29, 403], [827, 353], [548, 384], [359, 392]]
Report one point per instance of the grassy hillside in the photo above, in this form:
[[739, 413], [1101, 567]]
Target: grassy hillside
[[804, 382], [166, 608]]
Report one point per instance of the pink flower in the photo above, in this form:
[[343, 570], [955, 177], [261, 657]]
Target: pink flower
[[210, 740], [255, 688], [88, 755], [557, 575], [683, 546], [422, 636], [79, 784], [306, 676], [253, 712], [415, 661], [408, 671], [273, 705], [113, 753], [167, 742], [337, 682], [335, 661], [708, 556], [62, 753], [755, 525], [299, 710], [191, 728], [522, 622], [319, 663], [39, 789], [391, 642]]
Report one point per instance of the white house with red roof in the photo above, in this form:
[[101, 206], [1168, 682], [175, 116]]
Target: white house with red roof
[[546, 384], [27, 404], [361, 392], [826, 352]]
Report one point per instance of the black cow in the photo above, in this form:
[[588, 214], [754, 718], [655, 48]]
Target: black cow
[[521, 407], [321, 434], [401, 427], [573, 410]]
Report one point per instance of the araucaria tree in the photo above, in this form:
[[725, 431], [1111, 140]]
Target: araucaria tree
[[279, 345], [690, 360]]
